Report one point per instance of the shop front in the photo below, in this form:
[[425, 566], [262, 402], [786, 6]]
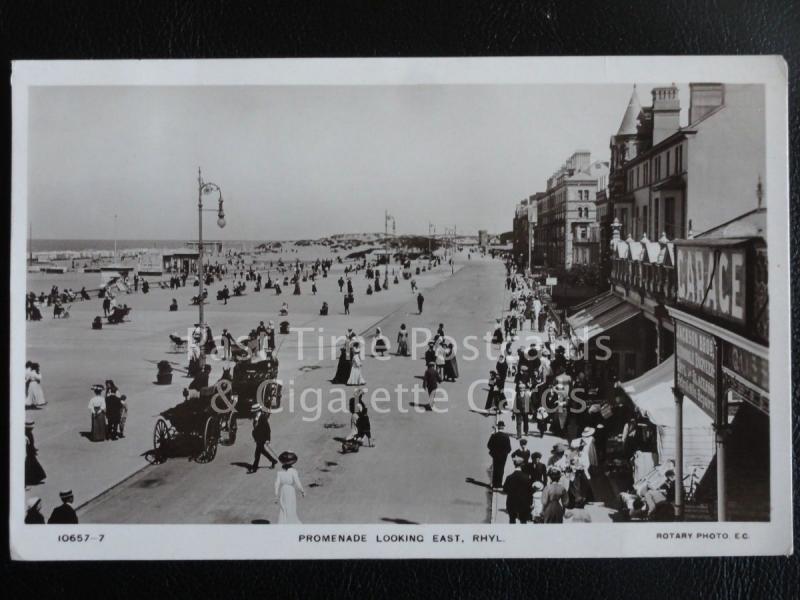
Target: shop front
[[652, 395], [608, 332], [722, 366]]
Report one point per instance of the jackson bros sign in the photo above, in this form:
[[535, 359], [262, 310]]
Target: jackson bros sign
[[696, 367]]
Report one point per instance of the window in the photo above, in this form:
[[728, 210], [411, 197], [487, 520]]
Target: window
[[679, 159], [669, 217], [655, 217], [645, 222], [658, 169], [646, 174], [630, 365], [637, 177], [667, 171]]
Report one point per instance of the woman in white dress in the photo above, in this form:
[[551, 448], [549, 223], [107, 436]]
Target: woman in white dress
[[356, 378], [287, 484], [35, 397]]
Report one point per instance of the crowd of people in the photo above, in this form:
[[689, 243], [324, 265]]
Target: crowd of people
[[548, 383]]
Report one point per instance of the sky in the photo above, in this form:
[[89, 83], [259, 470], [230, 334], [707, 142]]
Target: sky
[[304, 161]]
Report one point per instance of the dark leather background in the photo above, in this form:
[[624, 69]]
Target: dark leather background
[[277, 28]]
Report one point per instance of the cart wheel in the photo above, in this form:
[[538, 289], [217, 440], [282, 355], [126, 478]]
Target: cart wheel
[[210, 440], [161, 438], [230, 426]]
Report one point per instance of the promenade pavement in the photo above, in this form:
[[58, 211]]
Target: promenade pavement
[[73, 356]]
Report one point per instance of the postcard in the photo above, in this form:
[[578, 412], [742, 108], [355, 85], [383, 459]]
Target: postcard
[[400, 308]]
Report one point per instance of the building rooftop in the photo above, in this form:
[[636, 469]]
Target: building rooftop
[[631, 117]]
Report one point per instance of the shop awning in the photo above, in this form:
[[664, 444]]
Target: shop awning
[[588, 310], [601, 317], [652, 393]]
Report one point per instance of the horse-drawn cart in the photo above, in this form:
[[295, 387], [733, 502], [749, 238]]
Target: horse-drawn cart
[[191, 427], [209, 418]]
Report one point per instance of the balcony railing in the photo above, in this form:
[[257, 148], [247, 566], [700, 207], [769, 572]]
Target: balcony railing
[[646, 267]]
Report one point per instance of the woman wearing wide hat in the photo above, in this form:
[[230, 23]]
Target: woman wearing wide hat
[[287, 484], [342, 367], [33, 514], [356, 378], [97, 411], [34, 473]]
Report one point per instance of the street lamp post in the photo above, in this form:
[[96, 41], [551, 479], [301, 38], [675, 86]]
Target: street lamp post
[[386, 218], [431, 228], [205, 187]]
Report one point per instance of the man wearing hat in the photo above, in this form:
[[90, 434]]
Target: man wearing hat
[[262, 435], [271, 336], [499, 446], [589, 452], [201, 381], [519, 493], [64, 514], [522, 400], [430, 380], [430, 354]]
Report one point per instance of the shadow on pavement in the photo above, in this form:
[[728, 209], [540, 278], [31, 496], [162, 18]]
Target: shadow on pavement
[[399, 521]]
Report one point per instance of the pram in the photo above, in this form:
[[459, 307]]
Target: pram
[[62, 312], [118, 315], [177, 343], [196, 299], [351, 445]]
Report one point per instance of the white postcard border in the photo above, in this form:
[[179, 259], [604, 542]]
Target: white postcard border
[[30, 542]]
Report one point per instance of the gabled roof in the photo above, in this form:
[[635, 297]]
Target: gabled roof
[[631, 117]]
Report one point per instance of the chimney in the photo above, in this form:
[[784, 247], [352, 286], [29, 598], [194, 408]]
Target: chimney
[[581, 159], [704, 98], [666, 112]]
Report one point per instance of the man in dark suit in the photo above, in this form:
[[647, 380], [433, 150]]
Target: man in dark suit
[[430, 354], [430, 380], [64, 514], [262, 434], [519, 493], [499, 448], [537, 469]]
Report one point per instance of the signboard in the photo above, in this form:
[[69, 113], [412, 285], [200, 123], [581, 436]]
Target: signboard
[[730, 381], [747, 374], [696, 367], [751, 367], [551, 281], [713, 279]]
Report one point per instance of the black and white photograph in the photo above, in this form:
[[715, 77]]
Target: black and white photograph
[[400, 308]]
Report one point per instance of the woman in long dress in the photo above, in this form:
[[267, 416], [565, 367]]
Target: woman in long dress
[[554, 499], [356, 378], [402, 341], [34, 473], [381, 346], [450, 364], [97, 411], [342, 367], [440, 352], [35, 398], [287, 484]]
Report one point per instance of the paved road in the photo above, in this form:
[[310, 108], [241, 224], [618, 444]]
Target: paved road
[[425, 467]]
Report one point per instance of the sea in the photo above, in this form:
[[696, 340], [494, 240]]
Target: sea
[[71, 245]]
